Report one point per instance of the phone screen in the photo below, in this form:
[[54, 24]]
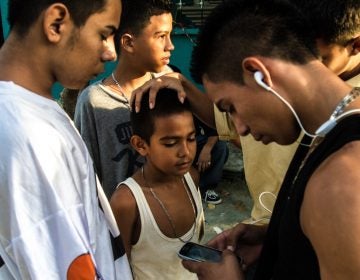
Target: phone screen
[[200, 253]]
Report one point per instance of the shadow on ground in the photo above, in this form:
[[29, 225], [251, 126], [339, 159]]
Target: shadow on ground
[[236, 205]]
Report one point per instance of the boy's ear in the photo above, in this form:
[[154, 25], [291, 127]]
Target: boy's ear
[[355, 45], [250, 65], [127, 42], [56, 19], [139, 145]]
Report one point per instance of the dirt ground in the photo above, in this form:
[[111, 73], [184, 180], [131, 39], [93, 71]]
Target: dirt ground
[[236, 205]]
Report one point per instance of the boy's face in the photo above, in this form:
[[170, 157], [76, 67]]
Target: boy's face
[[254, 111], [172, 146], [153, 45], [339, 59], [86, 49]]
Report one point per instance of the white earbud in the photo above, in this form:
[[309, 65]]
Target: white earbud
[[258, 76], [321, 131]]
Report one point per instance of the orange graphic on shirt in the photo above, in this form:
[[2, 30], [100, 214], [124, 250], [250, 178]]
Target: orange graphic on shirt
[[82, 268]]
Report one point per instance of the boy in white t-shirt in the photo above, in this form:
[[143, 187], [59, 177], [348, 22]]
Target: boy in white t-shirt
[[52, 226]]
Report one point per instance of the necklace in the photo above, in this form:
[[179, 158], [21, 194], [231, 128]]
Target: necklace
[[122, 91], [167, 212], [337, 114], [350, 97]]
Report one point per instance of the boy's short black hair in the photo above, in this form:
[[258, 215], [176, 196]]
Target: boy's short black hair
[[333, 21], [237, 29], [167, 104], [136, 16], [23, 13]]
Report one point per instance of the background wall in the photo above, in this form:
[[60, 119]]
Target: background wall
[[3, 10]]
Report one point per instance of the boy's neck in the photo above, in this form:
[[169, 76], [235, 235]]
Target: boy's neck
[[18, 59], [129, 76], [153, 178]]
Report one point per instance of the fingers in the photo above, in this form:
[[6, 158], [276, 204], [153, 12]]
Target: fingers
[[204, 270], [220, 241], [181, 95], [203, 165], [154, 86], [137, 95], [180, 90], [193, 267], [232, 265], [228, 268]]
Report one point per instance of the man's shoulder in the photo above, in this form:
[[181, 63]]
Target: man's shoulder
[[336, 172], [346, 157], [332, 190]]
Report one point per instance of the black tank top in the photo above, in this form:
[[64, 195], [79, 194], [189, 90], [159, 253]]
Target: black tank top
[[287, 252]]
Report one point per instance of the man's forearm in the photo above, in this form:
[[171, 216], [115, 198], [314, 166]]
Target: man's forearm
[[201, 105]]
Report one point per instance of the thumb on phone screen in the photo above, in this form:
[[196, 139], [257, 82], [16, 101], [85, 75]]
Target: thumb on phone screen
[[228, 268]]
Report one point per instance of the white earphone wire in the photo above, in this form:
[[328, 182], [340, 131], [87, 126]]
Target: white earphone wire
[[293, 111], [258, 76], [327, 125]]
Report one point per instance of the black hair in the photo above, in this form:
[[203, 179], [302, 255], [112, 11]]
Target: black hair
[[136, 16], [167, 104], [237, 29], [333, 21], [23, 13]]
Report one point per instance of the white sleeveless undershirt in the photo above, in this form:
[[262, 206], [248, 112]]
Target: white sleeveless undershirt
[[154, 256]]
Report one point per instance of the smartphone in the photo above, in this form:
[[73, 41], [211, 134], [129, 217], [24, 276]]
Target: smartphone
[[199, 253]]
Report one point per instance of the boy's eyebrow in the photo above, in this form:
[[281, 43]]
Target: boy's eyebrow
[[169, 137], [162, 31]]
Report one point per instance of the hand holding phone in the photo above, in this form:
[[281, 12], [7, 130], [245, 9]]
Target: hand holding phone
[[199, 253]]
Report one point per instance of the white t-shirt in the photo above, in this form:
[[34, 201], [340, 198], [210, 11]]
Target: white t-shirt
[[49, 208]]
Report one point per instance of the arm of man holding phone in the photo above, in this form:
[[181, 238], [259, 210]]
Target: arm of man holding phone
[[244, 242]]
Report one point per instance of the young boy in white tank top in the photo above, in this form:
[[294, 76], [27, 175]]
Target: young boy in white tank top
[[159, 207]]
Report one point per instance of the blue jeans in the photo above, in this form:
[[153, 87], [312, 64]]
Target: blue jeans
[[219, 155]]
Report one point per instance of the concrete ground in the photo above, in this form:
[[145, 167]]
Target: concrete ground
[[236, 205]]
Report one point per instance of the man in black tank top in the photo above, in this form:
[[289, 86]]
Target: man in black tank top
[[258, 63]]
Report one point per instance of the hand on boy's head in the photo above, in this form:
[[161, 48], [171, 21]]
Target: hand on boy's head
[[228, 268], [170, 80]]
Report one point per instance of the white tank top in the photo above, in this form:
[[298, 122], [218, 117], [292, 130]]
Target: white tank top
[[154, 256]]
